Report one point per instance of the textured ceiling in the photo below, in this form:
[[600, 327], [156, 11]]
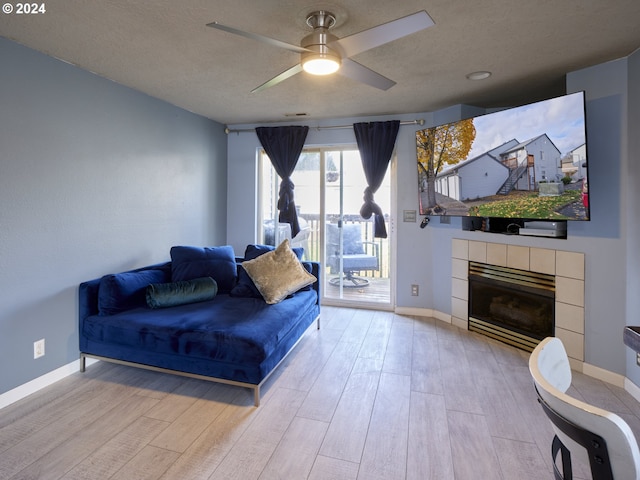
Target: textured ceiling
[[165, 49]]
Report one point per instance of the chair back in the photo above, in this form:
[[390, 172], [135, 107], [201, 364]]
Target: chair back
[[351, 238], [551, 372]]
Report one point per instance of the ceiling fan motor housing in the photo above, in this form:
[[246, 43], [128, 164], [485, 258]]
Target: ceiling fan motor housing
[[317, 42]]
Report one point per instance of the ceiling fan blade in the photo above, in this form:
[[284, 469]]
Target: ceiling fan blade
[[259, 38], [385, 33], [278, 78], [363, 74]]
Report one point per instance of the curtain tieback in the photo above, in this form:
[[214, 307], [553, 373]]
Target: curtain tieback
[[285, 193], [370, 207]]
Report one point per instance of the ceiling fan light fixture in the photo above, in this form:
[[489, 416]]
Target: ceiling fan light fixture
[[320, 64], [319, 59]]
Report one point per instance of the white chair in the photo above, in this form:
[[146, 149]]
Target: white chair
[[583, 432]]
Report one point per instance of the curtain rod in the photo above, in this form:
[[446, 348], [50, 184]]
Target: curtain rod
[[420, 121]]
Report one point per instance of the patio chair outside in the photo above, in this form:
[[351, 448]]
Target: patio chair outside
[[358, 255]]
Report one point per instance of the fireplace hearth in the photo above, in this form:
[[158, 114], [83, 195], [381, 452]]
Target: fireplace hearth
[[511, 305]]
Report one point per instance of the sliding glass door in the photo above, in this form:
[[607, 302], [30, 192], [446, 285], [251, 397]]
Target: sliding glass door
[[329, 186]]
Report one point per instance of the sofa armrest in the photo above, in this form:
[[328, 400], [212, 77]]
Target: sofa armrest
[[88, 291], [88, 298]]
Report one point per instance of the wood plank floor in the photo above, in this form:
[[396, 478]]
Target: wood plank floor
[[371, 395]]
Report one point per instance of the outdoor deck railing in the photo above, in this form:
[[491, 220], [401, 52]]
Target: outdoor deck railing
[[313, 244]]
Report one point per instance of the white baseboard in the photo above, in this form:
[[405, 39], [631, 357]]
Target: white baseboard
[[39, 383], [423, 312], [632, 389], [604, 375], [612, 378], [443, 317], [418, 312]]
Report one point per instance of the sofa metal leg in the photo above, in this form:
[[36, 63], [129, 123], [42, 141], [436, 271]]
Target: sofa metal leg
[[256, 395], [83, 362]]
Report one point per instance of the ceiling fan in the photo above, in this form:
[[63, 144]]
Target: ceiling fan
[[322, 53]]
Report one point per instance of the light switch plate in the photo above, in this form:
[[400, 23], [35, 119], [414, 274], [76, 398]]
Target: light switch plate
[[409, 215]]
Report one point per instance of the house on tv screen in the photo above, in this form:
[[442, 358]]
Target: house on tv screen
[[510, 166]]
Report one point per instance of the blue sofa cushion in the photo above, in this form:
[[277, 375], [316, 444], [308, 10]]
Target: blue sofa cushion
[[243, 331], [162, 295], [255, 250], [218, 263], [245, 287], [123, 291]]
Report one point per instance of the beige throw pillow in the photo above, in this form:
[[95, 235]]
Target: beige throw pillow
[[278, 273]]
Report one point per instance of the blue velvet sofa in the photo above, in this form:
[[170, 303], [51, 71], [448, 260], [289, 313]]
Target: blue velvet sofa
[[233, 337]]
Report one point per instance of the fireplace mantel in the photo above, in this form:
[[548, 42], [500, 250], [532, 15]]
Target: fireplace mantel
[[568, 268]]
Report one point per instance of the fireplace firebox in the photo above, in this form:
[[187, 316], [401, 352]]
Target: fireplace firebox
[[514, 306]]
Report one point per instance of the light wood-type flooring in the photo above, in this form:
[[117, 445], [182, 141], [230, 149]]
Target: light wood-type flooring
[[371, 395]]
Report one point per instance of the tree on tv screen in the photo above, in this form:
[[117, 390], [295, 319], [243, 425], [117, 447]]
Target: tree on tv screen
[[442, 146]]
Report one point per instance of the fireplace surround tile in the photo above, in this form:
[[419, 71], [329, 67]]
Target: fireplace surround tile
[[542, 260], [568, 267], [460, 249], [497, 254], [478, 252], [570, 317], [459, 268], [570, 264], [570, 290], [573, 343], [460, 309], [460, 288], [518, 257]]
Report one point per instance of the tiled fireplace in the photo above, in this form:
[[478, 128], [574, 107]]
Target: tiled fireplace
[[566, 267]]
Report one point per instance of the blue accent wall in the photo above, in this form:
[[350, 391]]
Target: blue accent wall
[[633, 215], [94, 178]]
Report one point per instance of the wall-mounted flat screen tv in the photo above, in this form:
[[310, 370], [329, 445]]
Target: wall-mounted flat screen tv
[[527, 162]]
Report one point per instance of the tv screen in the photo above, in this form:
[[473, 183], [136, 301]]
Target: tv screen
[[527, 162]]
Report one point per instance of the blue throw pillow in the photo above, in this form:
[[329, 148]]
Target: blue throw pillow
[[219, 263], [245, 287], [255, 250], [123, 291]]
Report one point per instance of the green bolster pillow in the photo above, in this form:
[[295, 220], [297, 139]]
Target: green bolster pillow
[[161, 295]]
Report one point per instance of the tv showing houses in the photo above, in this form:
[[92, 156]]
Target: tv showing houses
[[526, 162]]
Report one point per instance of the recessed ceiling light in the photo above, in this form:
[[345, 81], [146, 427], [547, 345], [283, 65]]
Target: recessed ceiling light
[[481, 75]]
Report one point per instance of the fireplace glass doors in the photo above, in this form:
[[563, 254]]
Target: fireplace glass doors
[[514, 306]]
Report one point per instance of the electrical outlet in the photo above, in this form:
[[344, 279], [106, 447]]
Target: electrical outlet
[[414, 290], [38, 349]]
